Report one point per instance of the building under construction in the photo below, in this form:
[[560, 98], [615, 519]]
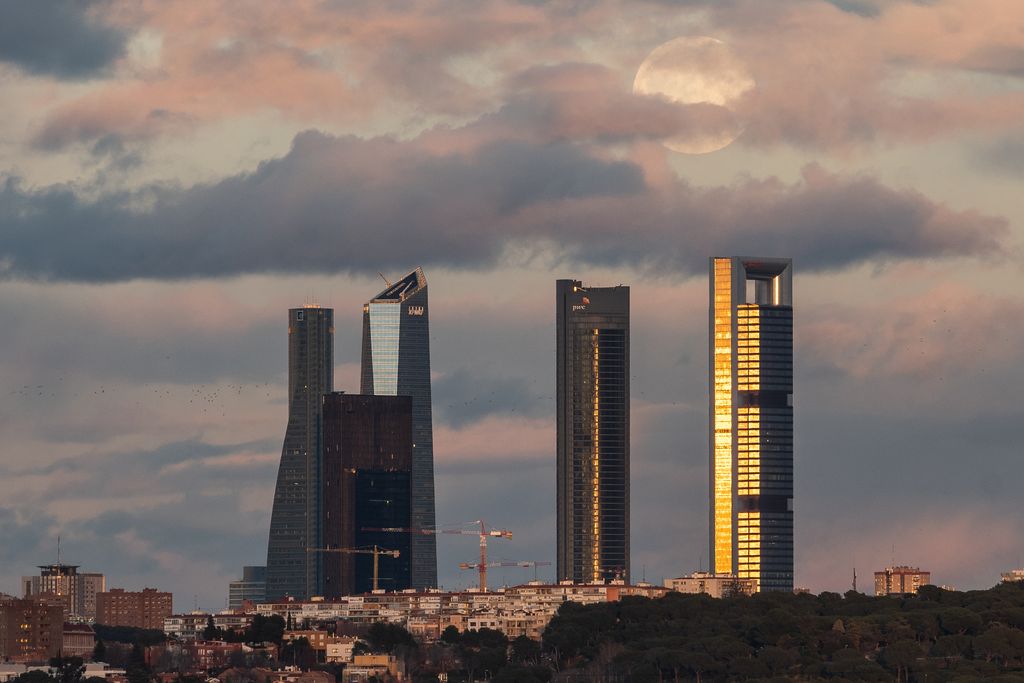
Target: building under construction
[[367, 469]]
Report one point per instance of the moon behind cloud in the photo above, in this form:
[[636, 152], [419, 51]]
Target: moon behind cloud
[[697, 70]]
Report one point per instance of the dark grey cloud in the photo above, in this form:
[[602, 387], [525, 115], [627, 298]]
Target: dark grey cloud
[[347, 204], [864, 8], [195, 518], [463, 397], [58, 38], [133, 463], [331, 204], [23, 534], [200, 526]]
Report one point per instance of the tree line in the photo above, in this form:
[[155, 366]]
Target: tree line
[[936, 635]]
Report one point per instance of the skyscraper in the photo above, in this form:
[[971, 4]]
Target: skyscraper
[[367, 465], [294, 523], [592, 366], [751, 364], [396, 362]]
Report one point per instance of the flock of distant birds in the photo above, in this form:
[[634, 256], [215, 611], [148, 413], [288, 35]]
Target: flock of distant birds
[[210, 397]]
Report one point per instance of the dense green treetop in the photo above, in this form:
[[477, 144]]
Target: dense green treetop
[[936, 635]]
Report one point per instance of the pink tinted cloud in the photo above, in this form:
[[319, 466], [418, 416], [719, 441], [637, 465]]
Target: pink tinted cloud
[[947, 541], [947, 330], [495, 439], [309, 61], [829, 78], [824, 76]]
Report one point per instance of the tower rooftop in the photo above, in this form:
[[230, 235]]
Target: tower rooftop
[[404, 288]]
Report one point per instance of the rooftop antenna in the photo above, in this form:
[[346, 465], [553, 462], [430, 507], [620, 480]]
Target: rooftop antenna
[[854, 579], [58, 550], [384, 278]]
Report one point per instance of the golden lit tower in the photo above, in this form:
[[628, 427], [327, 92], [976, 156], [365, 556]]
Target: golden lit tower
[[592, 396], [751, 359]]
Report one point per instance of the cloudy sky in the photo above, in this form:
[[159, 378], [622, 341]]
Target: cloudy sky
[[175, 175]]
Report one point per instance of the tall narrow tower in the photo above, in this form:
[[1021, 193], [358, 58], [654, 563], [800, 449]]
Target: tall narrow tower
[[751, 416], [295, 521], [592, 397], [396, 362]]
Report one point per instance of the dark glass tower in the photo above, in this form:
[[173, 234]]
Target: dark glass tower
[[751, 365], [294, 524], [366, 486], [592, 365], [396, 362]]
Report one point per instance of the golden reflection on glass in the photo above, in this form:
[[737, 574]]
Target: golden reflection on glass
[[748, 531], [596, 464], [722, 391]]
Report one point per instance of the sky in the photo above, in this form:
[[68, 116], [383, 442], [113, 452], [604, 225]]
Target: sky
[[175, 175]]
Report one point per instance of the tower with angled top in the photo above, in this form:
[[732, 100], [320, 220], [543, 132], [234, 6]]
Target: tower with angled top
[[396, 362]]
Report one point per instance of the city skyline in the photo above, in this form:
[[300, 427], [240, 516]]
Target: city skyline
[[175, 176]]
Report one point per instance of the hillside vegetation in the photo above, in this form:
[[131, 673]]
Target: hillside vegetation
[[935, 636]]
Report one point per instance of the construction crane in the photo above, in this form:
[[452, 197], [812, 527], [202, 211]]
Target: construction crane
[[484, 533], [375, 551], [492, 565]]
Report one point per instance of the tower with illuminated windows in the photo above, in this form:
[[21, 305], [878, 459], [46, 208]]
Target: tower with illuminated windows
[[592, 397], [751, 359]]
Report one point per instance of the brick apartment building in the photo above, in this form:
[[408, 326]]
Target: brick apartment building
[[30, 630], [142, 609]]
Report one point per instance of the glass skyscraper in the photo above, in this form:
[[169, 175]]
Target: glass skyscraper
[[751, 414], [396, 362], [295, 521], [592, 397], [367, 462]]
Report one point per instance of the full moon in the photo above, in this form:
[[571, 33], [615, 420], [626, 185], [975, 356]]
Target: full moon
[[697, 71]]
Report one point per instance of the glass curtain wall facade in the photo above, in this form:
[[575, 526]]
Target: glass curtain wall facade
[[751, 417], [366, 486], [252, 587], [592, 396], [295, 521], [396, 362]]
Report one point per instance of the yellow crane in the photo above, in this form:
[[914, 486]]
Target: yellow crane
[[375, 551]]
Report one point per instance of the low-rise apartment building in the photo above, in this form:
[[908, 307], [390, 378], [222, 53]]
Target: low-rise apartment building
[[518, 610]]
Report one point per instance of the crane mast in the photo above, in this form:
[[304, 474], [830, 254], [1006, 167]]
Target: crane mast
[[376, 551]]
